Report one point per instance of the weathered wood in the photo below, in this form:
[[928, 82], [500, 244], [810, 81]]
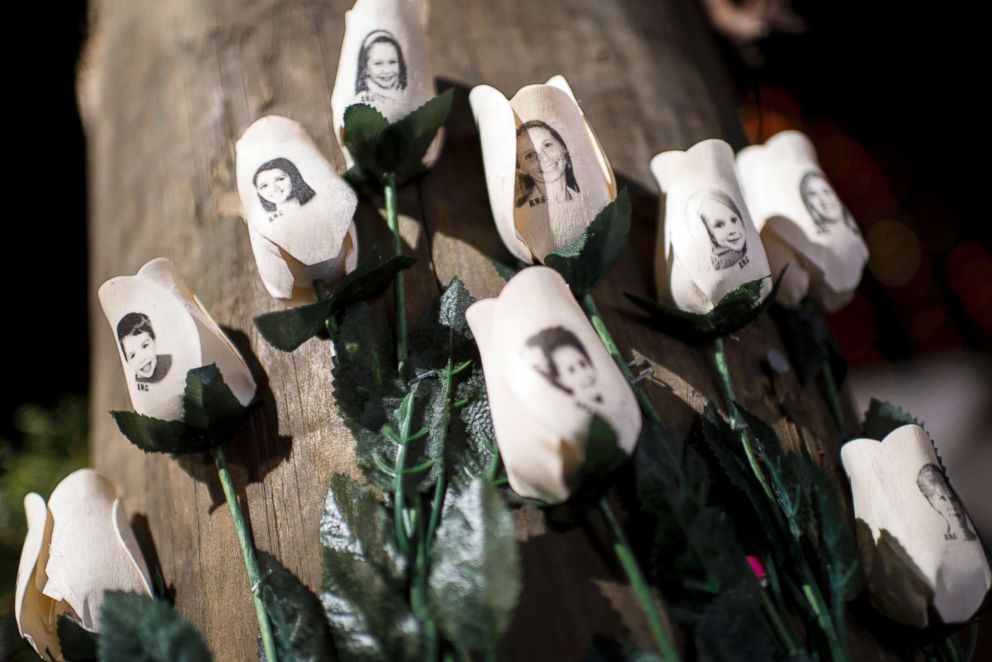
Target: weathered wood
[[166, 88]]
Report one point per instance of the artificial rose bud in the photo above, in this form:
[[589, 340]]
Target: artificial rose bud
[[298, 211], [547, 374], [922, 557], [707, 245], [163, 332], [802, 222], [77, 547], [546, 172], [384, 63]]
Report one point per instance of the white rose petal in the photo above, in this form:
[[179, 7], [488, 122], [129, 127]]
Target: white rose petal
[[707, 245], [546, 172], [385, 63], [76, 549], [547, 374], [794, 204], [162, 332], [299, 212], [919, 548]]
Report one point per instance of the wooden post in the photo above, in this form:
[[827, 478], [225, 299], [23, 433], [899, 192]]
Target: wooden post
[[167, 87]]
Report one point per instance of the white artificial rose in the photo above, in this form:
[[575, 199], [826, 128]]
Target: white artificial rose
[[385, 63], [707, 245], [162, 332], [77, 547], [802, 221], [921, 553], [546, 172], [299, 212], [547, 374]]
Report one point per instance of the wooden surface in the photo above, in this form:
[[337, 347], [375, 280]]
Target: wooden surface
[[167, 87]]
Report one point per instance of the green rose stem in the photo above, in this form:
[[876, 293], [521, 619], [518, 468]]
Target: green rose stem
[[833, 397], [810, 589], [247, 550], [771, 613], [621, 546], [399, 296], [625, 554]]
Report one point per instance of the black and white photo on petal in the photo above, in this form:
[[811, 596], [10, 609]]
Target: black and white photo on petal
[[281, 187], [934, 487], [565, 363], [823, 203], [544, 166], [382, 74], [724, 224], [137, 340]]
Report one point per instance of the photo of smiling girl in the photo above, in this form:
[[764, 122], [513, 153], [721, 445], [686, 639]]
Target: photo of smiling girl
[[137, 340], [381, 70], [544, 166], [565, 363], [724, 225], [280, 187]]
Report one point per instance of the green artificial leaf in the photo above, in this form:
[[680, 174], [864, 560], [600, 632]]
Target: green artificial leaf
[[602, 457], [471, 449], [838, 548], [364, 587], [288, 329], [586, 260], [393, 153], [476, 576], [299, 625], [606, 649], [364, 364], [733, 628], [695, 551], [809, 343], [138, 627], [506, 271], [77, 643], [789, 485], [734, 311], [153, 435], [212, 414], [210, 406], [724, 445], [883, 417]]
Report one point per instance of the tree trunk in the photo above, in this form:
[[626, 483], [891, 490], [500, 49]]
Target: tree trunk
[[167, 87]]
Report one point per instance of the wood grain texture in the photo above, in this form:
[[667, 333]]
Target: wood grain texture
[[166, 88]]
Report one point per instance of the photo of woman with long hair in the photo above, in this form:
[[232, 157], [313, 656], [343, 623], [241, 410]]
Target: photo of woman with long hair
[[823, 203], [281, 187], [544, 166]]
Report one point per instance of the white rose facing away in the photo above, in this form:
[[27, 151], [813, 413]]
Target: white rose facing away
[[299, 212], [921, 554], [547, 374], [707, 245], [546, 172], [162, 331], [385, 63], [77, 547], [802, 221]]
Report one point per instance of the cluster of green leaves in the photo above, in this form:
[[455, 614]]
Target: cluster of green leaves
[[586, 260], [733, 312], [392, 153], [212, 414], [288, 329], [808, 342], [395, 570], [696, 557], [804, 537]]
